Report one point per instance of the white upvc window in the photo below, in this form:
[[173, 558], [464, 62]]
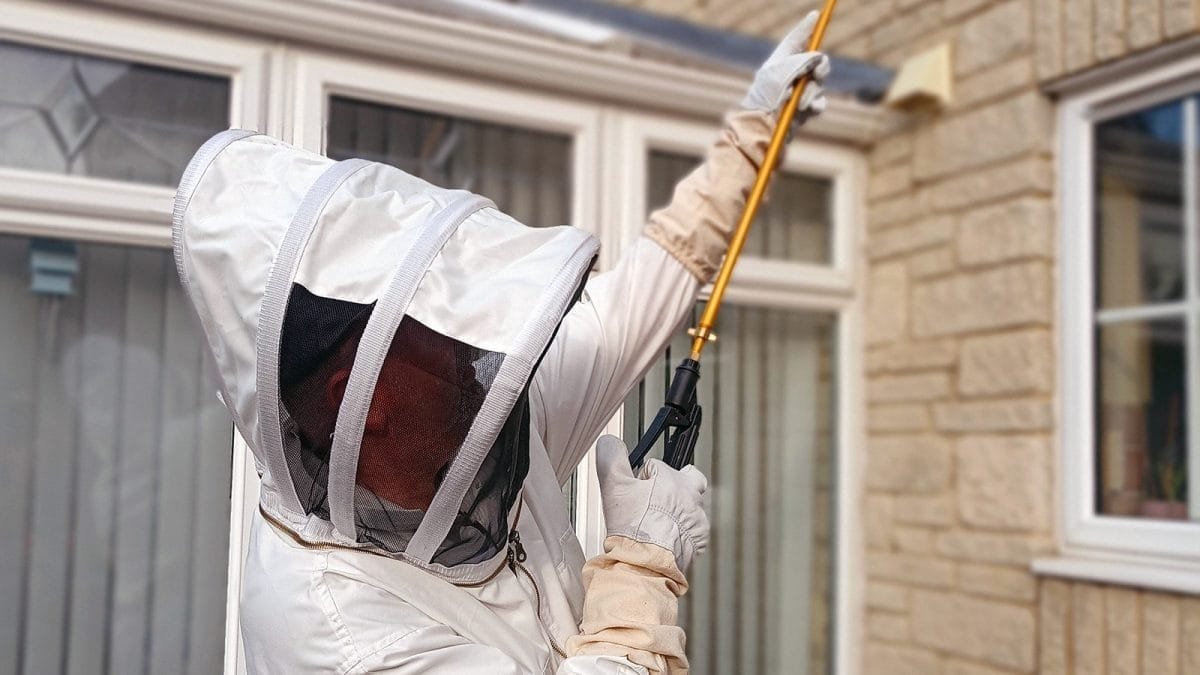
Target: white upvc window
[[1130, 351], [778, 387], [579, 117], [118, 459]]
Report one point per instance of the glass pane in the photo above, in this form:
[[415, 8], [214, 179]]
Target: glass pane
[[85, 115], [527, 173], [767, 446], [115, 485], [1139, 208], [1141, 419], [794, 223]]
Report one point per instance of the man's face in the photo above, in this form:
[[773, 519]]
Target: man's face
[[424, 402]]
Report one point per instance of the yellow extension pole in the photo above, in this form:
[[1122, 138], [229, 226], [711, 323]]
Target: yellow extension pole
[[703, 332]]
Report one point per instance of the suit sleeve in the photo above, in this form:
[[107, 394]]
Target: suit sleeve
[[627, 315]]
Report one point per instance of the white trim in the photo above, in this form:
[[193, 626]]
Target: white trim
[[1170, 310], [92, 209], [244, 502], [1085, 533], [771, 282], [793, 286], [491, 53], [317, 77], [1191, 227], [1140, 573]]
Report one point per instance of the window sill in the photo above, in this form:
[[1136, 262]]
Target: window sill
[[1140, 573]]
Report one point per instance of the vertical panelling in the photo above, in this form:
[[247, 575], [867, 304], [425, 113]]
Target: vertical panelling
[[103, 281], [137, 464], [18, 362], [175, 483], [54, 462]]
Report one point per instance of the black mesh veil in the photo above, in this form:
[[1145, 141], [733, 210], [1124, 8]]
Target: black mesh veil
[[427, 395]]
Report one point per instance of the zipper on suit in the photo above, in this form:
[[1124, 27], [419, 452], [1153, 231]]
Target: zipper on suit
[[516, 556], [513, 560]]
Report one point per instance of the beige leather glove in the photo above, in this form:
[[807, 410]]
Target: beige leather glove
[[656, 524]]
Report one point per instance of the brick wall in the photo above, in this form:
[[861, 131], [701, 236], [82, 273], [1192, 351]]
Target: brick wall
[[960, 360]]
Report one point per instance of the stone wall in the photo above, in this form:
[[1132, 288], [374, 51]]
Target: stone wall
[[960, 352]]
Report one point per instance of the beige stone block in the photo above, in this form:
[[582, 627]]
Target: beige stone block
[[1030, 175], [891, 149], [1077, 34], [954, 9], [936, 511], [1048, 39], [1145, 24], [1110, 28], [993, 581], [903, 28], [915, 540], [956, 667], [1160, 634], [888, 596], [936, 262], [908, 388], [1004, 79], [877, 522], [984, 136], [1180, 17], [1012, 295], [885, 659], [855, 49], [992, 547], [921, 234], [1190, 635], [889, 181], [906, 356], [894, 211], [887, 303], [999, 34], [1121, 624], [1054, 619], [916, 570], [888, 627], [1018, 229], [913, 464], [993, 416], [903, 417], [993, 632], [1087, 628], [1007, 363], [1003, 482], [860, 20]]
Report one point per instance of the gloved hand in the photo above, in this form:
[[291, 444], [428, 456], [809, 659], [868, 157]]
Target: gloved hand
[[773, 81], [663, 506]]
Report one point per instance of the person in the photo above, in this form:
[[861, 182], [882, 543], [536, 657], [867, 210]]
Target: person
[[417, 375]]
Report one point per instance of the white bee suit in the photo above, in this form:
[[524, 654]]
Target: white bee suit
[[284, 253]]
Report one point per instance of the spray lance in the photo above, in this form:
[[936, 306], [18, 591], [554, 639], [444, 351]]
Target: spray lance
[[678, 421]]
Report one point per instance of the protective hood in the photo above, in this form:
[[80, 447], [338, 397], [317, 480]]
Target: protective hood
[[375, 336]]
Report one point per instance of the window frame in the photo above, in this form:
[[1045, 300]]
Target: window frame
[[319, 77], [597, 95], [98, 210], [830, 289], [1118, 547], [84, 208], [759, 281]]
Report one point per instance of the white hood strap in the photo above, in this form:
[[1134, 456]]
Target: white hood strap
[[515, 372], [270, 325], [373, 348], [183, 198]]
